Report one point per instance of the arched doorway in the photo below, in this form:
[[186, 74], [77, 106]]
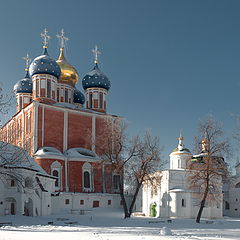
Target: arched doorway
[[28, 208], [10, 207]]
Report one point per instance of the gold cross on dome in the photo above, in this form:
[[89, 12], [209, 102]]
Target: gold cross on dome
[[28, 60], [62, 39], [96, 53], [45, 37]]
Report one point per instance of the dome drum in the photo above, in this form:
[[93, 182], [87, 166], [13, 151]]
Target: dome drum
[[44, 88], [96, 99], [65, 93]]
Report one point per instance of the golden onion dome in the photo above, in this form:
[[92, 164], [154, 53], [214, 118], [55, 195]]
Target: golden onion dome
[[69, 74]]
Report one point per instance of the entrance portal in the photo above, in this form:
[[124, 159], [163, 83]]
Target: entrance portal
[[10, 206]]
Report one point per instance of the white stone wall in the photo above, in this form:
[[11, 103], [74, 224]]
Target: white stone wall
[[71, 202], [232, 197], [21, 195]]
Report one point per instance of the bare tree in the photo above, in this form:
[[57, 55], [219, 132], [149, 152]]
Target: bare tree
[[12, 158], [5, 103], [208, 169], [133, 159]]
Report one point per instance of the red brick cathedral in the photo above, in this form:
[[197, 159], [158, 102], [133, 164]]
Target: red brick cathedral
[[60, 126]]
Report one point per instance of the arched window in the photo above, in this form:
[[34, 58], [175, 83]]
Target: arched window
[[28, 182], [56, 169], [12, 183], [86, 179], [56, 174], [227, 205]]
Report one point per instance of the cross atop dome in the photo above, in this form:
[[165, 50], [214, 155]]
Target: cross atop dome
[[27, 59], [180, 139], [45, 37], [96, 53], [62, 39]]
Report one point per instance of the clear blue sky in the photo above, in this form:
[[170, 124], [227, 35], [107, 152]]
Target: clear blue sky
[[170, 62]]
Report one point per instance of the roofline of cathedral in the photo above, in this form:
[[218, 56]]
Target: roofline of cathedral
[[64, 108]]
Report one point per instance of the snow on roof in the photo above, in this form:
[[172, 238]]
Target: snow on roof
[[48, 151], [178, 189], [76, 153], [81, 153], [12, 156], [200, 155]]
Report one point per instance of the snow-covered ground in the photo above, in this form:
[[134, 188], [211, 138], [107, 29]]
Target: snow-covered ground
[[108, 224]]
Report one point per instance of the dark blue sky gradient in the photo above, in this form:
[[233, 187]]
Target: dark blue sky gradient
[[171, 63]]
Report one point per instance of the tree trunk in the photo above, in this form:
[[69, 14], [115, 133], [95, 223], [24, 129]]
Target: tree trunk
[[200, 211], [202, 205], [125, 208], [134, 198]]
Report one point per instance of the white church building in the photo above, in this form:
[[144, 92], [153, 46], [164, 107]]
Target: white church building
[[25, 188], [171, 196]]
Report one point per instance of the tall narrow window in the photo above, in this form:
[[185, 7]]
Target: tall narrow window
[[183, 202], [56, 174], [49, 89], [66, 95], [86, 179], [12, 183], [90, 100], [37, 88], [28, 124], [179, 163], [116, 180], [20, 103], [227, 205], [101, 100], [58, 94]]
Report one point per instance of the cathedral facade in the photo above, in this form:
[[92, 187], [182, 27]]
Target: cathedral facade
[[61, 127]]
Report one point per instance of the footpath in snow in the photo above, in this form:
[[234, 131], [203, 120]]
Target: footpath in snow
[[108, 224]]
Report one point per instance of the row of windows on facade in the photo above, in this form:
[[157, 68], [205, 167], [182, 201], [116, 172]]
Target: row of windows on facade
[[28, 183], [184, 203], [86, 179], [95, 202], [14, 129]]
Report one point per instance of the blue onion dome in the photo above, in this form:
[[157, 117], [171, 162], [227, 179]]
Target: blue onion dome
[[96, 79], [44, 64], [78, 96], [24, 85]]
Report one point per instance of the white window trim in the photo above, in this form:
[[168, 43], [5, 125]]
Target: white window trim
[[87, 168]]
